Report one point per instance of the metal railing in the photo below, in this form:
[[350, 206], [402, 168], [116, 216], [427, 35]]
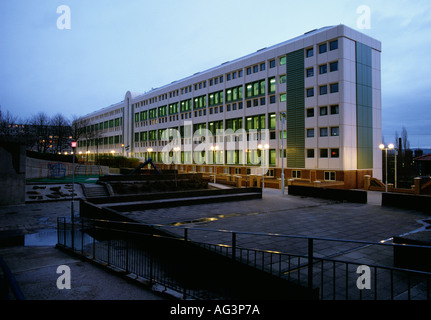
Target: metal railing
[[336, 269]]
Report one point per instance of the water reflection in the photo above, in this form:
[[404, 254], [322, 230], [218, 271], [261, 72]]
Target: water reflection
[[44, 237]]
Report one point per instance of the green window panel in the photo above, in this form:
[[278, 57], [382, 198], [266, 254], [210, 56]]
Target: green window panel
[[295, 104], [364, 106]]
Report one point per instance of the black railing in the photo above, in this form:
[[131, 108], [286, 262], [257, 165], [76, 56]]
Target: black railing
[[162, 254], [8, 283]]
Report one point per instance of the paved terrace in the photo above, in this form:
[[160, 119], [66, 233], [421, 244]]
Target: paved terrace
[[275, 214]]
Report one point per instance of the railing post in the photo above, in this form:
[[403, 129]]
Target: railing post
[[310, 263], [127, 252], [82, 236], [233, 245], [109, 249], [65, 231]]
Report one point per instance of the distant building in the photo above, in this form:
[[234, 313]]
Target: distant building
[[423, 165], [327, 82]]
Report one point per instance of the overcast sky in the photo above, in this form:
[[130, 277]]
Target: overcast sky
[[113, 46]]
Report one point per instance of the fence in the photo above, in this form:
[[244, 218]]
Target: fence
[[214, 264]]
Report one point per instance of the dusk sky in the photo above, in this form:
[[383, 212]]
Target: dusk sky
[[114, 46]]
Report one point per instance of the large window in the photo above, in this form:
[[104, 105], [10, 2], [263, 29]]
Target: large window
[[186, 105], [234, 94], [152, 113], [163, 111], [255, 89], [173, 108], [199, 102], [215, 98]]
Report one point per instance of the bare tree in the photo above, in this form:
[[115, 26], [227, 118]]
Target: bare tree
[[405, 141], [7, 123], [40, 123], [60, 128]]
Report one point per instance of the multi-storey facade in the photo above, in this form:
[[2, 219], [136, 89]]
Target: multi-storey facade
[[325, 84]]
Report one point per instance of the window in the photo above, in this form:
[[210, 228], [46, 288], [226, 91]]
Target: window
[[310, 153], [310, 92], [272, 64], [240, 73], [333, 66], [323, 132], [272, 85], [272, 99], [262, 67], [323, 90], [335, 153], [296, 174], [283, 97], [335, 131], [335, 109], [249, 70], [323, 111], [310, 72], [333, 45], [323, 153], [310, 133], [309, 52], [329, 175], [255, 89], [255, 68], [323, 48], [282, 79], [310, 112], [323, 69], [334, 87], [282, 60]]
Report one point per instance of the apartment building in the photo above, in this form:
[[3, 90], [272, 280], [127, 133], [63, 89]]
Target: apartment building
[[310, 105]]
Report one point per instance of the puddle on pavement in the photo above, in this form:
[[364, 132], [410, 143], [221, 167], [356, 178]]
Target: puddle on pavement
[[42, 238]]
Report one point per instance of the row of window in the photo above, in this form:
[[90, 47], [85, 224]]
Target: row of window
[[322, 48], [323, 69], [324, 132], [323, 90], [323, 111], [324, 153], [309, 52]]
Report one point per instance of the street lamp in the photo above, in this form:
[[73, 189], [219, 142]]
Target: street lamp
[[73, 145], [389, 147], [263, 148], [214, 150], [149, 152]]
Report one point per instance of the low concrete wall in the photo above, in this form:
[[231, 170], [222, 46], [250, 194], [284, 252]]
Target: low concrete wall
[[355, 196], [37, 168], [12, 173], [407, 201]]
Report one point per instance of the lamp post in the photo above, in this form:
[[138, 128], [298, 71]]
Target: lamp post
[[72, 215], [246, 162], [389, 147], [73, 144], [263, 148], [283, 118], [214, 150]]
